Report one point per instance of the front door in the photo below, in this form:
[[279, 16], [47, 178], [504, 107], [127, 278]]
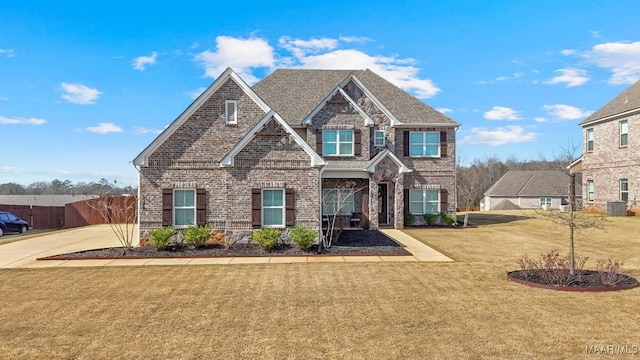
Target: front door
[[383, 204]]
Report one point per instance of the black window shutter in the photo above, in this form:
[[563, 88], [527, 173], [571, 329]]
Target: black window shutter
[[443, 143], [406, 143], [319, 141], [357, 142], [201, 207], [167, 207], [406, 200], [290, 206], [444, 200], [256, 208]]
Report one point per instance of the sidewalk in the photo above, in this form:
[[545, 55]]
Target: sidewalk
[[23, 253]]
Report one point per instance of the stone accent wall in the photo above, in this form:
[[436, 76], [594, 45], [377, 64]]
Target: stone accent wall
[[609, 162]]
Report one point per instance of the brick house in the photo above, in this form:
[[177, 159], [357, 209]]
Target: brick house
[[610, 162], [295, 146]]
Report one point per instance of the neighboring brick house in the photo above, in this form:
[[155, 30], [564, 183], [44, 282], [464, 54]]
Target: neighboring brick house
[[545, 189], [242, 157], [611, 156]]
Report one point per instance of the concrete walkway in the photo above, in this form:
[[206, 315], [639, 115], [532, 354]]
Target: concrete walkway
[[23, 253]]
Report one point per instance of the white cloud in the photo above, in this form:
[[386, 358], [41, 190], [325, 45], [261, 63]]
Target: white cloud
[[355, 39], [540, 119], [621, 58], [502, 113], [566, 112], [567, 52], [140, 62], [193, 94], [79, 94], [242, 55], [444, 110], [499, 136], [572, 77], [245, 55], [142, 131], [7, 52], [104, 128], [3, 98], [21, 121]]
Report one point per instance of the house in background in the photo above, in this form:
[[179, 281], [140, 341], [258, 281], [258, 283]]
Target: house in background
[[530, 190], [298, 145], [611, 152]]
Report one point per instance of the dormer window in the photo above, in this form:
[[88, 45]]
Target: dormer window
[[378, 138], [231, 112]]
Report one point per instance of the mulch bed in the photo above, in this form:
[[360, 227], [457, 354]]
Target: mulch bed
[[350, 242], [588, 280]]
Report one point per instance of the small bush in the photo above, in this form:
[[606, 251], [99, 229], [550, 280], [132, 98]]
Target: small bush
[[430, 219], [159, 237], [267, 238], [447, 219], [610, 272], [197, 235], [409, 219], [305, 238]]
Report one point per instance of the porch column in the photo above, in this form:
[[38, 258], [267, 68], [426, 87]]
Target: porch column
[[373, 204], [398, 206]]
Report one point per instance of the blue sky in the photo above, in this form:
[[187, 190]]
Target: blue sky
[[84, 87]]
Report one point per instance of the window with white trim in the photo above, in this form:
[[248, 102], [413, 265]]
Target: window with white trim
[[337, 142], [624, 190], [378, 138], [338, 201], [231, 112], [624, 133], [424, 201], [589, 139], [273, 208], [424, 144], [184, 207], [545, 202], [591, 190]]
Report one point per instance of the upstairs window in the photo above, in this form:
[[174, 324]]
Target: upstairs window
[[624, 190], [423, 201], [591, 190], [424, 144], [624, 132], [378, 138], [337, 143], [231, 112], [589, 139]]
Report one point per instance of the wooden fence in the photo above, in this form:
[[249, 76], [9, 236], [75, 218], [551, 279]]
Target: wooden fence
[[89, 212]]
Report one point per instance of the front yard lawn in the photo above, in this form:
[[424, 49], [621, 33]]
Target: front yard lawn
[[465, 309]]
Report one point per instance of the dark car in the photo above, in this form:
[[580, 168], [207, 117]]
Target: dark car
[[9, 222]]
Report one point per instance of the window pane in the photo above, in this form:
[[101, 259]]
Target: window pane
[[415, 207], [432, 208], [329, 149], [432, 195], [415, 138], [433, 138], [272, 198], [346, 136], [623, 127], [623, 139], [415, 195], [184, 198], [273, 217], [346, 149], [432, 150], [184, 217], [415, 150], [329, 135]]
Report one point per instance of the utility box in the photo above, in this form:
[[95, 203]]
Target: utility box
[[617, 208]]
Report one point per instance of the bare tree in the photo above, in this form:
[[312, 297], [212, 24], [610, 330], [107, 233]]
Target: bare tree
[[334, 200], [120, 213], [470, 187]]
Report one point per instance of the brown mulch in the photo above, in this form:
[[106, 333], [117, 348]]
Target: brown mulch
[[350, 242], [583, 280]]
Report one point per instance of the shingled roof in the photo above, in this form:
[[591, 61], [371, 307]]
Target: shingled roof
[[531, 183], [628, 100], [294, 93]]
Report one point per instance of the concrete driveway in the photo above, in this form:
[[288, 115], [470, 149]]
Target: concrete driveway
[[23, 253]]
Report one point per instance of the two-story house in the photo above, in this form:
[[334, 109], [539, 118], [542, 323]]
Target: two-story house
[[297, 145], [611, 153]]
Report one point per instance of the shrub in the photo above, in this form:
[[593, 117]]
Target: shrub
[[552, 268], [610, 272], [409, 219], [447, 219], [197, 235], [430, 219], [159, 237], [305, 238], [267, 238]]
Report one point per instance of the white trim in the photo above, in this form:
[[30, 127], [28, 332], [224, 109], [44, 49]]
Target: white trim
[[452, 125], [344, 174], [284, 209], [387, 153], [367, 119], [142, 158], [610, 117], [394, 121], [228, 160], [227, 116]]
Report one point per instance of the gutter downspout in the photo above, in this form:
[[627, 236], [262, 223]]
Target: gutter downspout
[[137, 240], [320, 234]]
